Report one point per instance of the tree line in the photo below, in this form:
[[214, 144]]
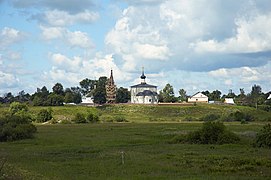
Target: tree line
[[58, 96], [96, 89], [254, 98]]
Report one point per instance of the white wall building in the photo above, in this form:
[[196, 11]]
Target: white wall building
[[144, 93], [229, 101], [198, 97], [87, 100]]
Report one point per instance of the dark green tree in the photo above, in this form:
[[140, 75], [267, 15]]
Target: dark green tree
[[55, 100], [167, 94], [123, 95], [40, 97], [87, 86], [183, 95], [73, 95], [58, 89], [100, 92]]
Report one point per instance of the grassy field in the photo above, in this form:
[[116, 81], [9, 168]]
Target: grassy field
[[90, 151], [94, 151]]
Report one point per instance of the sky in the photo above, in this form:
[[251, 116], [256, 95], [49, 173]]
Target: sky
[[195, 45]]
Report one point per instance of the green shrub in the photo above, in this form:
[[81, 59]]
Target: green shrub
[[263, 138], [210, 117], [238, 116], [15, 127], [16, 107], [210, 133], [44, 115], [91, 117], [120, 119], [79, 118], [265, 107]]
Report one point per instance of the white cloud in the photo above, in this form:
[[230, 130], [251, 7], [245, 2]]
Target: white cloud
[[79, 39], [72, 65], [63, 18], [8, 80], [72, 39], [10, 36], [245, 76], [49, 33], [252, 35], [77, 69], [148, 51], [135, 38]]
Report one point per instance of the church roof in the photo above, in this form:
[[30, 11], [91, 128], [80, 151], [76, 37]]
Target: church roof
[[147, 93], [144, 85]]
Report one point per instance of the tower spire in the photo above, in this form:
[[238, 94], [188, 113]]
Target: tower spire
[[143, 77], [110, 89]]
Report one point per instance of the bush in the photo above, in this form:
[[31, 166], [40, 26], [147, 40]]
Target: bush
[[238, 116], [265, 108], [210, 117], [210, 133], [44, 115], [93, 118], [263, 138], [120, 119], [16, 107], [15, 127], [79, 118]]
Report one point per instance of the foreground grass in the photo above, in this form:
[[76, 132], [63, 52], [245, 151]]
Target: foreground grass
[[91, 151]]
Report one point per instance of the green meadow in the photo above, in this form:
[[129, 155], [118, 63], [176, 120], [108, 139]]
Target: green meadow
[[138, 149]]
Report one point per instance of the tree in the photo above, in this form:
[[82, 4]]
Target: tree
[[256, 90], [167, 94], [72, 95], [182, 94], [231, 94], [22, 97], [123, 95], [87, 86], [8, 98], [68, 97], [40, 97], [77, 97], [17, 107], [55, 100], [215, 95], [58, 89], [100, 92], [256, 96], [242, 93]]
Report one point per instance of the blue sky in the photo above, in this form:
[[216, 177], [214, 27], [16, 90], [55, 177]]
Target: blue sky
[[196, 45]]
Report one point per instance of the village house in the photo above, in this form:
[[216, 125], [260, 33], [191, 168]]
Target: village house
[[144, 93], [198, 97]]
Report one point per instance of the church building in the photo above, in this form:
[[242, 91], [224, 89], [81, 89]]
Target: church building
[[144, 93], [111, 89]]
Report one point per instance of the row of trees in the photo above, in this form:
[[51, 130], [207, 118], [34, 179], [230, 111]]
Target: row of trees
[[58, 96], [255, 97], [96, 89]]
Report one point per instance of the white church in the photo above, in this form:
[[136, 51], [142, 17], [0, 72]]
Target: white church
[[144, 93]]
